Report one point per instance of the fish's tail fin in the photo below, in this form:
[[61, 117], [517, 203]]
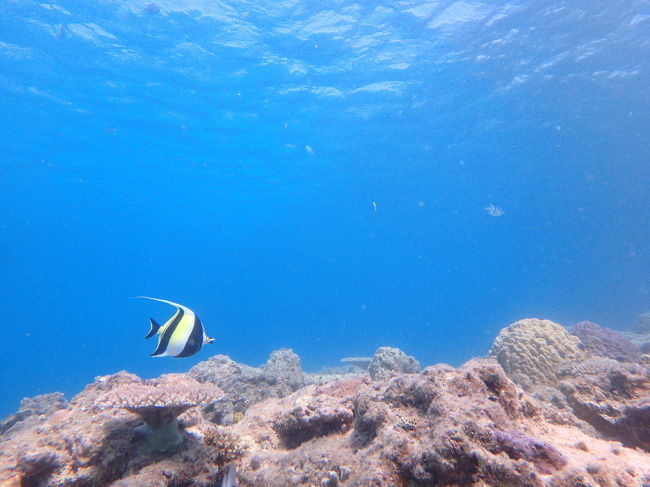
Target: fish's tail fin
[[154, 328], [229, 478]]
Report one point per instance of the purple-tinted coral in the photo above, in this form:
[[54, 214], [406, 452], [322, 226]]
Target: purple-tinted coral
[[604, 342], [546, 458]]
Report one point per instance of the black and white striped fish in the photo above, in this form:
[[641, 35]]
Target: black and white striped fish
[[181, 336], [494, 210]]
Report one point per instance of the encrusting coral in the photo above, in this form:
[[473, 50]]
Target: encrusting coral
[[531, 351], [159, 402]]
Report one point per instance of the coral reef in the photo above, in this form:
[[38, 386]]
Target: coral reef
[[244, 385], [90, 443], [32, 410], [531, 351], [470, 426], [642, 325], [389, 361], [603, 342], [444, 426]]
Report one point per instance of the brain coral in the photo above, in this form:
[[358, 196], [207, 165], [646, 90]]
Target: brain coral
[[532, 350]]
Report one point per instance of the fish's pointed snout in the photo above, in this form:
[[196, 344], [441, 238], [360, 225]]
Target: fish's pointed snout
[[209, 340]]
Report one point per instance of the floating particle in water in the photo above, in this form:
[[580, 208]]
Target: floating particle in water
[[59, 32], [374, 207], [494, 210], [421, 204], [310, 150]]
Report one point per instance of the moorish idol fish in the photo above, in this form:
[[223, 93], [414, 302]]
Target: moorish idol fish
[[183, 334]]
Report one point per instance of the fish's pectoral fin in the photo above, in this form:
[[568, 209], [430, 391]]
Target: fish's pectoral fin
[[155, 327]]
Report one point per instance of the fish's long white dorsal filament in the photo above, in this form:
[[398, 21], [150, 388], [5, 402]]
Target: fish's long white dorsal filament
[[184, 308]]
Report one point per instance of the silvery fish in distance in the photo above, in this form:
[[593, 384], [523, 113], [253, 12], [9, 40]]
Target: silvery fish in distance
[[494, 210], [181, 336]]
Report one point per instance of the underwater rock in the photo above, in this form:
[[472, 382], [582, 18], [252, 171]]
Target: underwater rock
[[314, 415], [531, 351], [285, 365], [244, 385], [389, 361], [32, 410], [611, 396], [604, 342]]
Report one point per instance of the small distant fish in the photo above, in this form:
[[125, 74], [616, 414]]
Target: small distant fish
[[310, 150], [494, 210], [59, 32], [181, 336], [374, 207], [151, 8]]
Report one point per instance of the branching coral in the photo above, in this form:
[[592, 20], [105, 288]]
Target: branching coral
[[159, 402], [531, 351], [227, 446]]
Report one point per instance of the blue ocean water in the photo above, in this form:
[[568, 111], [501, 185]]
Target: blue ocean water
[[314, 175]]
